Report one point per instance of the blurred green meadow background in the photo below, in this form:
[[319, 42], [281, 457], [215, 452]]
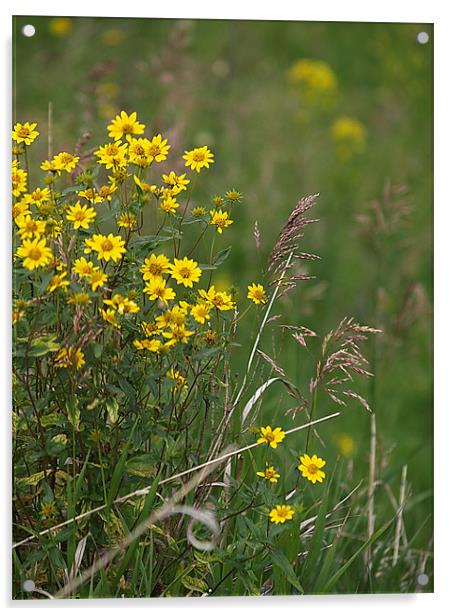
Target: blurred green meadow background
[[289, 109]]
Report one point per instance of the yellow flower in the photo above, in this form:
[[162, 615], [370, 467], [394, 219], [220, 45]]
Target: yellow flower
[[35, 253], [185, 271], [158, 149], [123, 305], [29, 227], [144, 187], [125, 125], [315, 77], [156, 289], [39, 196], [60, 26], [200, 312], [65, 162], [90, 195], [97, 278], [155, 265], [175, 316], [281, 513], [346, 444], [349, 135], [256, 293], [217, 200], [19, 180], [83, 268], [112, 155], [106, 192], [138, 151], [234, 195], [21, 207], [310, 468], [220, 219], [271, 437], [58, 282], [178, 333], [270, 474], [198, 158], [169, 205], [219, 299], [79, 299], [80, 215], [180, 382], [107, 247], [197, 212], [25, 133], [153, 346], [48, 510], [109, 316], [150, 329], [127, 220], [70, 357], [178, 183]]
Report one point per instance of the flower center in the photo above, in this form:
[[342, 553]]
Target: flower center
[[139, 150], [154, 269], [35, 254], [127, 128], [106, 245], [23, 131], [154, 150], [198, 156], [184, 272], [79, 215], [312, 469]]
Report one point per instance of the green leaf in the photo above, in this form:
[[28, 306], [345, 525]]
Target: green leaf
[[112, 410], [195, 584], [141, 466], [43, 345], [280, 561], [73, 411], [221, 256]]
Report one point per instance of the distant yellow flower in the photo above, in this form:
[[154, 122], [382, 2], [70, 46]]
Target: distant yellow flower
[[39, 196], [178, 333], [106, 192], [125, 125], [60, 26], [70, 357], [197, 212], [48, 510], [178, 183], [156, 289], [198, 158], [58, 282], [217, 299], [35, 253], [270, 474], [91, 195], [80, 215], [65, 162], [29, 227], [234, 195], [158, 149], [155, 265], [349, 135], [150, 329], [281, 513], [316, 78], [153, 346], [97, 279], [112, 36], [107, 247], [169, 205], [127, 220], [175, 316], [112, 155], [271, 437], [220, 219], [138, 149], [346, 444], [180, 382], [310, 468], [25, 133], [185, 271], [79, 299], [19, 180], [123, 305], [217, 200], [256, 293], [83, 268], [200, 312]]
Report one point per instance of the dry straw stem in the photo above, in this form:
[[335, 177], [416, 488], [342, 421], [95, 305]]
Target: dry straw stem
[[142, 492], [398, 531], [371, 489]]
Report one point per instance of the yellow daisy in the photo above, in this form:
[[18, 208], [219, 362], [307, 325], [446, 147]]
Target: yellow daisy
[[200, 312], [269, 474], [107, 247], [155, 265], [35, 253], [220, 219], [271, 437], [112, 155], [70, 357], [156, 289], [178, 183], [158, 149], [58, 282], [80, 215], [185, 271], [310, 468], [198, 158], [19, 180], [65, 162], [281, 513], [29, 227], [218, 299], [256, 293], [124, 125], [83, 268], [25, 133], [180, 382]]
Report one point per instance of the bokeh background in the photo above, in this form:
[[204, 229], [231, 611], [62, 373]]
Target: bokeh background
[[289, 109]]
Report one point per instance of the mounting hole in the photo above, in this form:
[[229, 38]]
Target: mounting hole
[[28, 30], [29, 586], [422, 38], [422, 579]]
